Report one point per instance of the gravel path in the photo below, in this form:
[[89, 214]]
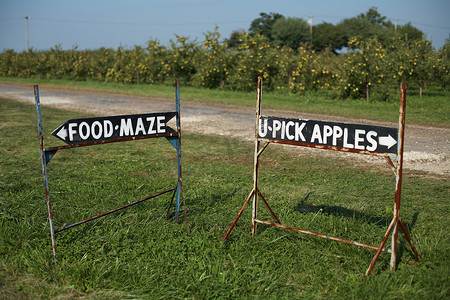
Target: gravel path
[[426, 148]]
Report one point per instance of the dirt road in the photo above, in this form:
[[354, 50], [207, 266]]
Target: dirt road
[[426, 148]]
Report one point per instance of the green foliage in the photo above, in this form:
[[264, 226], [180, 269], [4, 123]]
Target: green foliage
[[214, 61], [154, 66], [328, 36], [235, 38], [441, 68], [181, 59], [141, 253], [366, 70], [290, 32], [276, 48], [413, 62], [263, 25], [314, 71], [367, 26], [256, 57], [410, 33]]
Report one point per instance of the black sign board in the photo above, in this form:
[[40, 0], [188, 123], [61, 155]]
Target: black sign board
[[79, 131], [320, 133]]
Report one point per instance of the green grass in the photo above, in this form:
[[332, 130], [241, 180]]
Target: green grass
[[432, 109], [141, 253]]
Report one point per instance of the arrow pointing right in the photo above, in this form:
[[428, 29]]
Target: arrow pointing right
[[388, 141]]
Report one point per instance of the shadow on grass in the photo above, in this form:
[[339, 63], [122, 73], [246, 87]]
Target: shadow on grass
[[340, 211], [348, 213], [403, 241]]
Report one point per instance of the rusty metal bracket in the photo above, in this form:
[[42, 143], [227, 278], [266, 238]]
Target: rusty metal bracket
[[391, 164], [260, 151], [398, 168], [48, 153]]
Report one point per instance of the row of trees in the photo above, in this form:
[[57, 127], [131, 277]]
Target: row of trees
[[370, 68], [295, 31]]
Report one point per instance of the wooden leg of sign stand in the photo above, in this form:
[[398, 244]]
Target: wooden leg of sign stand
[[44, 161], [252, 193], [238, 216], [394, 225], [408, 238], [184, 206], [268, 206], [383, 241], [396, 221], [255, 191]]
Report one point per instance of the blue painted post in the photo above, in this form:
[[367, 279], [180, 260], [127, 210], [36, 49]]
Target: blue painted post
[[44, 161], [178, 146], [180, 191]]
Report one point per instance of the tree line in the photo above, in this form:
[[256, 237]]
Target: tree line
[[379, 56], [295, 31]]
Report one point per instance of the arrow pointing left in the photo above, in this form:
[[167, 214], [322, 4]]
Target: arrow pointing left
[[62, 133]]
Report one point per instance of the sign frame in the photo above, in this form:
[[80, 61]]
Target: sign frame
[[173, 136], [396, 168]]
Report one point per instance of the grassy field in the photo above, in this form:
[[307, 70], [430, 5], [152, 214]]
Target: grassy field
[[142, 253], [432, 109]]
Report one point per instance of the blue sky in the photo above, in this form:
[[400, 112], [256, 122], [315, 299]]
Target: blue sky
[[108, 23]]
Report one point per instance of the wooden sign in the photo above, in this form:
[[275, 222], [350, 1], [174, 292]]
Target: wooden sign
[[331, 134], [78, 131]]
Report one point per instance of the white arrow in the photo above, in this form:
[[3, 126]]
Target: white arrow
[[62, 133], [388, 141]]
